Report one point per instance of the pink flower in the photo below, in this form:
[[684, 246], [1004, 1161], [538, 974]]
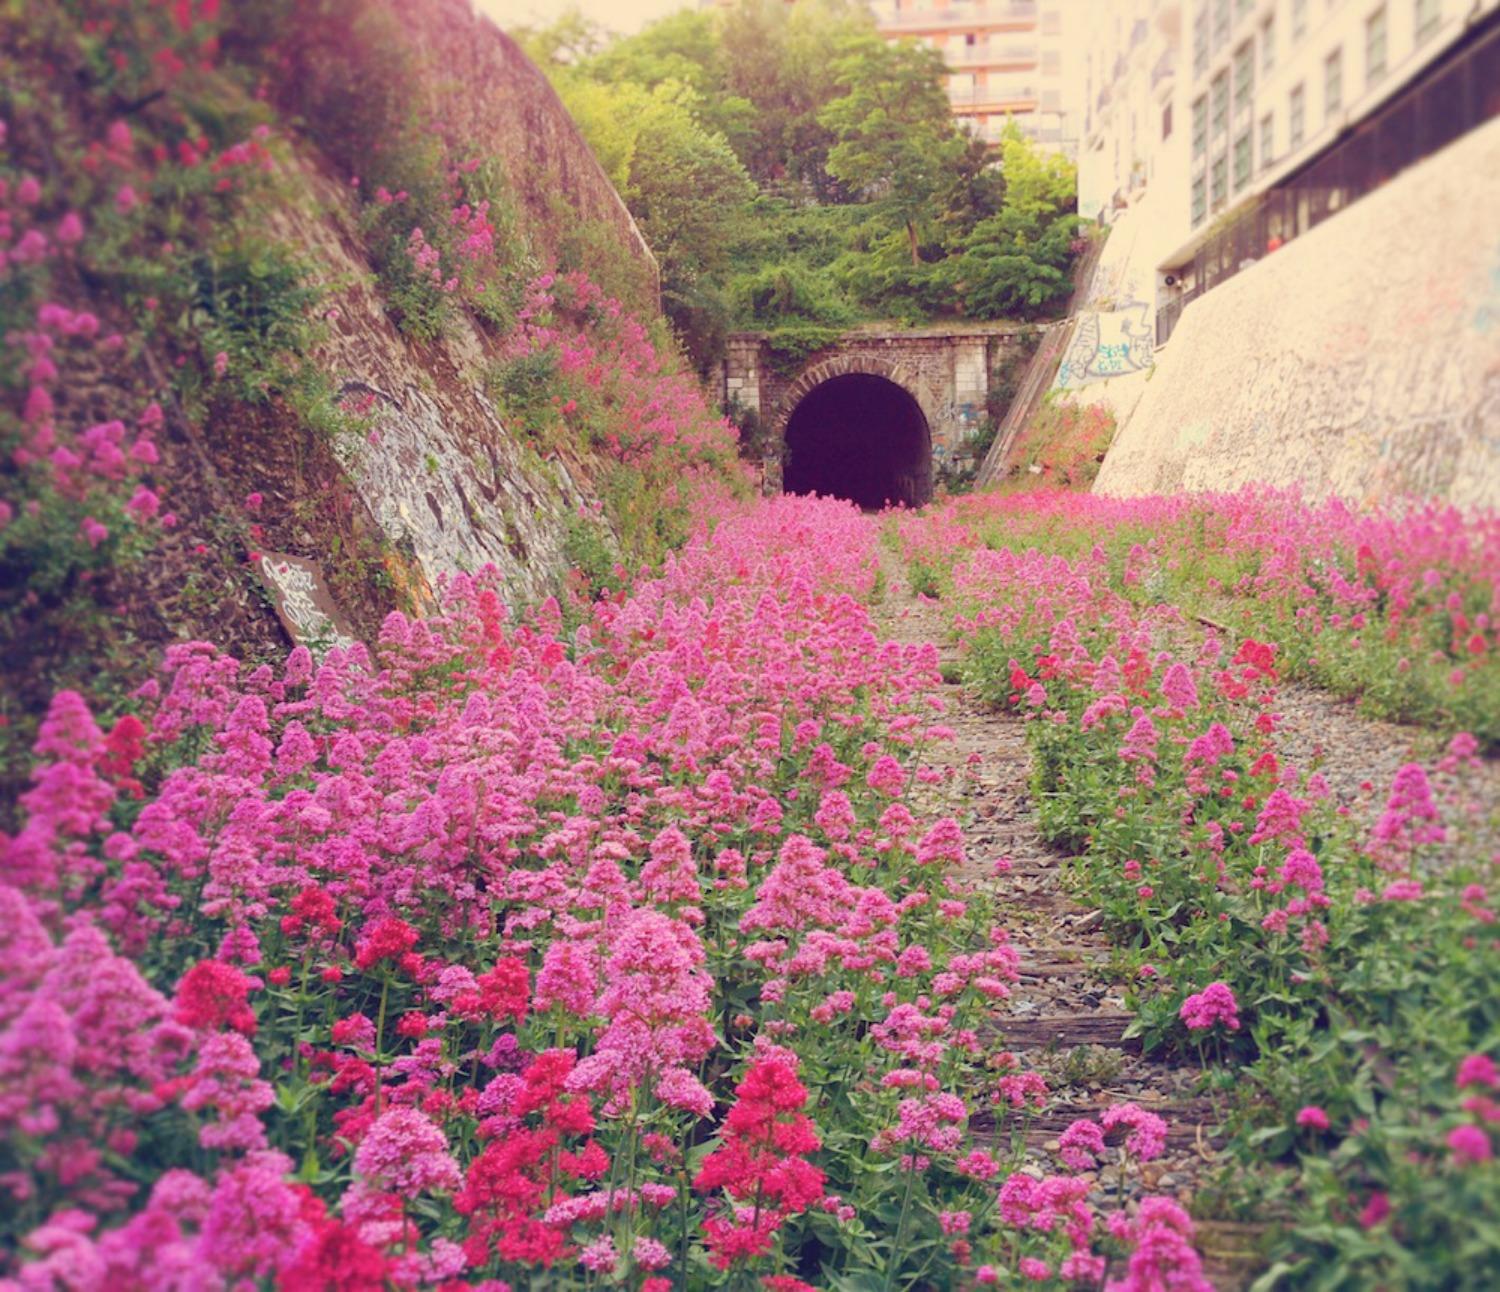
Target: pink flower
[[1313, 1117], [1214, 1004], [1082, 1144], [405, 1152], [1148, 1132], [93, 531], [1478, 1070], [1469, 1144], [1375, 1210], [221, 364]]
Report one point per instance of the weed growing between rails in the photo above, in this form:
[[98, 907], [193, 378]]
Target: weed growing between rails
[[616, 959], [1337, 980], [1396, 605]]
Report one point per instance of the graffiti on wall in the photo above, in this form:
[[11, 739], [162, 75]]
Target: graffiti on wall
[[303, 602], [1108, 343]]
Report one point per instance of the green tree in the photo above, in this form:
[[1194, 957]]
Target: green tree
[[782, 64], [1018, 260], [683, 184], [682, 49], [568, 41], [896, 141]]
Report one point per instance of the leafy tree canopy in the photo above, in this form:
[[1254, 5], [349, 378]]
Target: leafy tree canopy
[[793, 169]]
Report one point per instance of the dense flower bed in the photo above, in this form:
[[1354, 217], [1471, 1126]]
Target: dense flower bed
[[1399, 605], [1345, 978], [621, 956]]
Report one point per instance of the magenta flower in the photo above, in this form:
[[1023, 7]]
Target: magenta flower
[[405, 1152], [1470, 1144], [1214, 1004], [1313, 1118]]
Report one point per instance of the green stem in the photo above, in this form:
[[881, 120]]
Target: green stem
[[385, 988], [890, 1269]]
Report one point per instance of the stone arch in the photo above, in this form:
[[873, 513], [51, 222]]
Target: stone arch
[[858, 426], [843, 365]]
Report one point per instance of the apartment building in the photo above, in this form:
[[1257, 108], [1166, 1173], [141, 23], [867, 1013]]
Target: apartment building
[[1007, 60], [1297, 107], [1132, 128]]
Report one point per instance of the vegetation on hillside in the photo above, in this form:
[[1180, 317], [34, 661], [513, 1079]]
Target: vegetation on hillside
[[796, 172], [163, 413]]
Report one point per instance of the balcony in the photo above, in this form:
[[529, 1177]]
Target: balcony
[[993, 96], [1018, 13], [990, 56]]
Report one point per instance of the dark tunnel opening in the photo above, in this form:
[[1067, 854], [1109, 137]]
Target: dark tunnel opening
[[859, 437]]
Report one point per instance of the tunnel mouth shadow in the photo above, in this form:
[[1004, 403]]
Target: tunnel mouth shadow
[[862, 437]]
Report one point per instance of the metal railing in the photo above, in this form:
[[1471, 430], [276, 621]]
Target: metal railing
[[994, 94], [992, 55], [1455, 96]]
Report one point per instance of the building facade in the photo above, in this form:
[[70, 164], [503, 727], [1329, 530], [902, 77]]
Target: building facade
[[1297, 107], [1008, 60], [1129, 61]]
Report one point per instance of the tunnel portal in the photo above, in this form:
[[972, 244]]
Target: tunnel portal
[[859, 437]]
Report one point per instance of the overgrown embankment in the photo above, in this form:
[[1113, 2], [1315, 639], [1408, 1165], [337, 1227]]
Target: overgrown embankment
[[292, 283]]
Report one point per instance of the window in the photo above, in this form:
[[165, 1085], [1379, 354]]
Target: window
[[1200, 40], [1299, 19], [1296, 116], [1221, 24], [1051, 22], [1244, 75], [1200, 127], [1051, 62], [1267, 140], [1375, 46], [1219, 99], [1166, 122], [1200, 199], [1429, 16], [1333, 82], [1243, 160], [1218, 182], [1268, 44]]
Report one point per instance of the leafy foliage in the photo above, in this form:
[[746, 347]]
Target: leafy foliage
[[856, 196]]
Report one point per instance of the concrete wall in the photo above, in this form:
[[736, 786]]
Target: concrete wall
[[1361, 359]]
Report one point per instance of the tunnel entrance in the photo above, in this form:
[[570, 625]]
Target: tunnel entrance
[[859, 437]]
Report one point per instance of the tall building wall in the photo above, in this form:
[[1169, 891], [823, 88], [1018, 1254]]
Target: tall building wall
[[1007, 60], [1275, 82], [1362, 359]]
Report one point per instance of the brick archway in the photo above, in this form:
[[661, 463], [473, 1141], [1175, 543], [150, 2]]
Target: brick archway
[[857, 428], [944, 370], [845, 365]]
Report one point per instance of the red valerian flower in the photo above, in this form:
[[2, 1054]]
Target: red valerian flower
[[502, 994], [213, 995], [385, 939]]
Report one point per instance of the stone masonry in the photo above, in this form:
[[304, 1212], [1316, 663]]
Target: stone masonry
[[945, 369]]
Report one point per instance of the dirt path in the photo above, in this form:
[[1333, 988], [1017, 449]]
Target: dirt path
[[1067, 1014]]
